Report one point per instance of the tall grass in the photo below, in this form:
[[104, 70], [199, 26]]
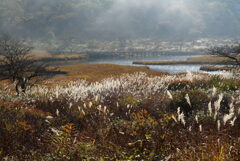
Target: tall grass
[[131, 117]]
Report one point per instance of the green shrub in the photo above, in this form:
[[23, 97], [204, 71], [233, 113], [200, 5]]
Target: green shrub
[[189, 85], [225, 85], [180, 85], [129, 100], [229, 86], [216, 80], [199, 101]]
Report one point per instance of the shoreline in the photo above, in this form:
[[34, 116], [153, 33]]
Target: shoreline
[[215, 68], [208, 60]]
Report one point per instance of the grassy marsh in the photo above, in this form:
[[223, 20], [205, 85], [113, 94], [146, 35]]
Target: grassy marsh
[[112, 112]]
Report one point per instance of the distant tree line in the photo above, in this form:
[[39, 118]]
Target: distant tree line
[[102, 19]]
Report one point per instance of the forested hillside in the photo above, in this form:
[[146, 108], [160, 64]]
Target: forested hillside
[[119, 19]]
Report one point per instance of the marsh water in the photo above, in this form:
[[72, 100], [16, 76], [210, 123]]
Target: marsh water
[[127, 58]]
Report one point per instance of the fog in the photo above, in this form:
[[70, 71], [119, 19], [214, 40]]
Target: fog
[[172, 18], [120, 19]]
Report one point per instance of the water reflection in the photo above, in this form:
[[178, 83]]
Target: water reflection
[[175, 68], [124, 60]]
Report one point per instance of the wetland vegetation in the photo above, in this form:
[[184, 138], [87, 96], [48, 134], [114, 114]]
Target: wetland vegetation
[[112, 112]]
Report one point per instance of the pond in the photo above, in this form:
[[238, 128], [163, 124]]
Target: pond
[[128, 58]]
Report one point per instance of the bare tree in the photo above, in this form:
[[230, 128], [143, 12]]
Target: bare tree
[[17, 64], [229, 51]]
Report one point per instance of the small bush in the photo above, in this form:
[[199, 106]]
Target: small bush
[[229, 86], [198, 99], [180, 85], [189, 85]]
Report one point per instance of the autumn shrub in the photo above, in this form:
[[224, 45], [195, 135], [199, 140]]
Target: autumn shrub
[[213, 149], [20, 131], [63, 144], [141, 137]]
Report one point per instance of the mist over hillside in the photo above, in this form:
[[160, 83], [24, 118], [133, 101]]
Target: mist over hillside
[[120, 19]]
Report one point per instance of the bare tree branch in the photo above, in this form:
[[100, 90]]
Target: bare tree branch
[[17, 64], [232, 52]]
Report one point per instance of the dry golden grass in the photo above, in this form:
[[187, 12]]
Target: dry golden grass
[[90, 72], [96, 72], [69, 56], [210, 59], [41, 54], [214, 68]]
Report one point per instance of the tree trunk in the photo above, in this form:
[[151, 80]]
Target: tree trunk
[[21, 84]]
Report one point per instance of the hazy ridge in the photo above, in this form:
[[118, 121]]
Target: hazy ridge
[[120, 19]]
